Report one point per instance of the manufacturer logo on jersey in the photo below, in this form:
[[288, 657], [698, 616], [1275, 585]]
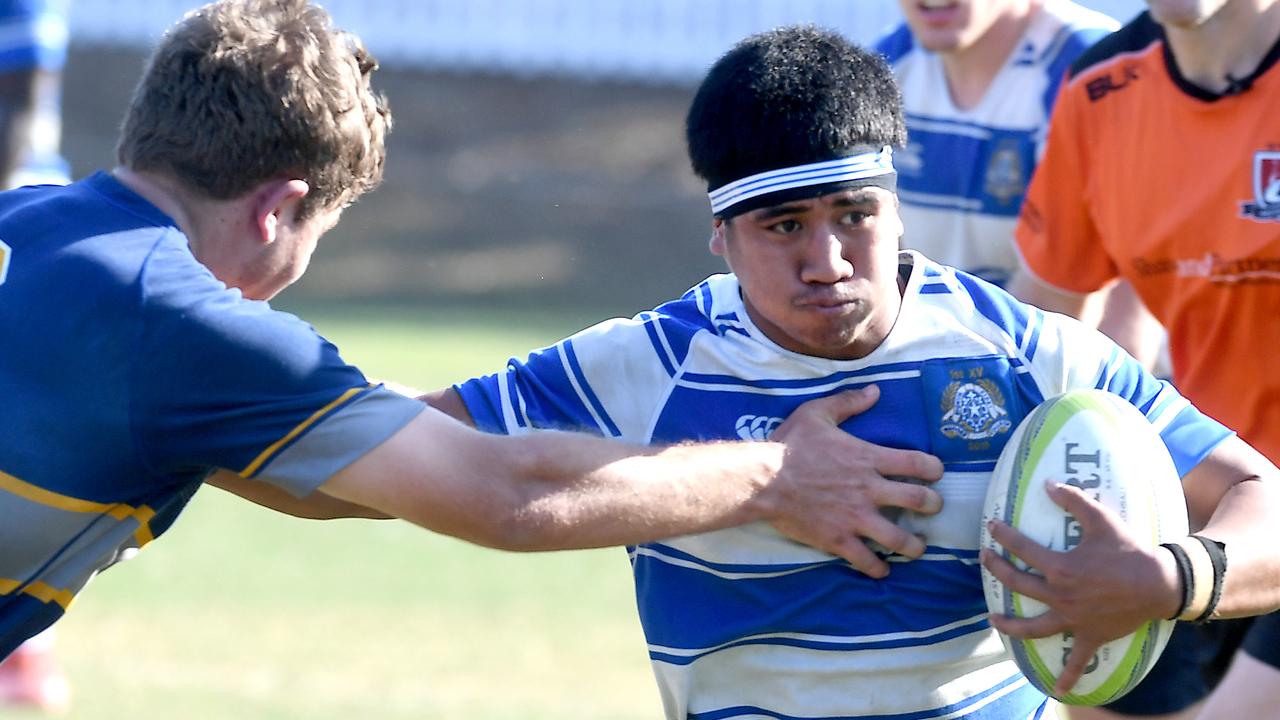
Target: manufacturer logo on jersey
[[756, 427], [974, 410], [1266, 188], [1005, 179], [1107, 83]]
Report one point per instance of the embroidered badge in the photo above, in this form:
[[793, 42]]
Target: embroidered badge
[[1005, 178], [1266, 188], [974, 410], [971, 405]]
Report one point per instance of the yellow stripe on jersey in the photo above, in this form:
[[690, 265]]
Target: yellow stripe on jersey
[[301, 427], [39, 495], [118, 511], [43, 592]]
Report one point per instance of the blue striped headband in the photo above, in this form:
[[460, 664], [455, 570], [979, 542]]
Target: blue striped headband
[[773, 187]]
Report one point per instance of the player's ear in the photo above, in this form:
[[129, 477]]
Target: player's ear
[[276, 202], [716, 243]]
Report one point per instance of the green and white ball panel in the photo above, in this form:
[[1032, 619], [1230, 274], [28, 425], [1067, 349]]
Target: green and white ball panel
[[1100, 443]]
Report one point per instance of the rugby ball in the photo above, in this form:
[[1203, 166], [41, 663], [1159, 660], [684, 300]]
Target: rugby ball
[[1100, 443]]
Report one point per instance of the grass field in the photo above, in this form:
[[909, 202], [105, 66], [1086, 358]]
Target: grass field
[[240, 613]]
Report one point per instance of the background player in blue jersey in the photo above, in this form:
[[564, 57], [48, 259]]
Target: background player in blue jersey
[[792, 131], [140, 355]]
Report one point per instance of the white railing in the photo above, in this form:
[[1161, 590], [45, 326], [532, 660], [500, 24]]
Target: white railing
[[647, 40]]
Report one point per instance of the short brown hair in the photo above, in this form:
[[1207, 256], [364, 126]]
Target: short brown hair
[[244, 91]]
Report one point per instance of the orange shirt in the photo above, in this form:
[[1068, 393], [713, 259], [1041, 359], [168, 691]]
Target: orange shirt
[[1147, 177]]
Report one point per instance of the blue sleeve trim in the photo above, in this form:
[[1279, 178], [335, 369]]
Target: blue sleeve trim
[[1191, 437], [481, 397], [588, 393], [652, 329]]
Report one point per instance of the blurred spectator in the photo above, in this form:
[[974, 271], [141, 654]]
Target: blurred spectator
[[33, 50]]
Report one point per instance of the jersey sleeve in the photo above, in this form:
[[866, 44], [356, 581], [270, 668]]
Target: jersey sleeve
[[225, 382], [607, 380], [1056, 235], [1071, 356]]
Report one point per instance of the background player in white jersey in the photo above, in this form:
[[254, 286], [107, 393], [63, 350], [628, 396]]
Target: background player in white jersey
[[978, 80], [792, 132]]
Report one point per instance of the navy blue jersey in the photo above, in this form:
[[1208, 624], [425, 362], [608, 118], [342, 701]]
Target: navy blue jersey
[[128, 373]]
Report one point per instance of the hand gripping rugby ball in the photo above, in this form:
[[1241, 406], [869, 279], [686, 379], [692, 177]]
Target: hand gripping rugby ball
[[1100, 443]]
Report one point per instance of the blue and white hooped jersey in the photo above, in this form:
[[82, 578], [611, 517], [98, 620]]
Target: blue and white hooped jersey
[[964, 173], [745, 623]]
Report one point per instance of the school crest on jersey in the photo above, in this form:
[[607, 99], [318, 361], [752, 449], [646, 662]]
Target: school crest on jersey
[[974, 410], [1005, 178], [1266, 188], [972, 406]]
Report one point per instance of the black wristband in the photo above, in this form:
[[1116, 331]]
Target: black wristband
[[1184, 574], [1218, 554]]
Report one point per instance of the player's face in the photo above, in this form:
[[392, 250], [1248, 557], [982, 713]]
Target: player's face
[[1184, 14], [949, 26], [819, 276], [279, 264]]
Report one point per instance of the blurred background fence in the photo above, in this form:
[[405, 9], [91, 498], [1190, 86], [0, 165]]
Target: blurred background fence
[[644, 40], [538, 149]]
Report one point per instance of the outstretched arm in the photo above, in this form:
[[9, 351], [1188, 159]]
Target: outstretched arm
[[553, 490]]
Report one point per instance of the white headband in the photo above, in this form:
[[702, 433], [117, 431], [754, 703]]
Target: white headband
[[845, 169]]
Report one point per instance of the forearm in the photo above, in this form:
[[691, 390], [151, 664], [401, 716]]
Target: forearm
[[1234, 498], [552, 490], [627, 492], [620, 494], [1245, 522]]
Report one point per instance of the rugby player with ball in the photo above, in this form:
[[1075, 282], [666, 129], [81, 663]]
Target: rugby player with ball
[[793, 131]]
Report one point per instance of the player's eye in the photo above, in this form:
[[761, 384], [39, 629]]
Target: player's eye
[[786, 227], [854, 218]]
